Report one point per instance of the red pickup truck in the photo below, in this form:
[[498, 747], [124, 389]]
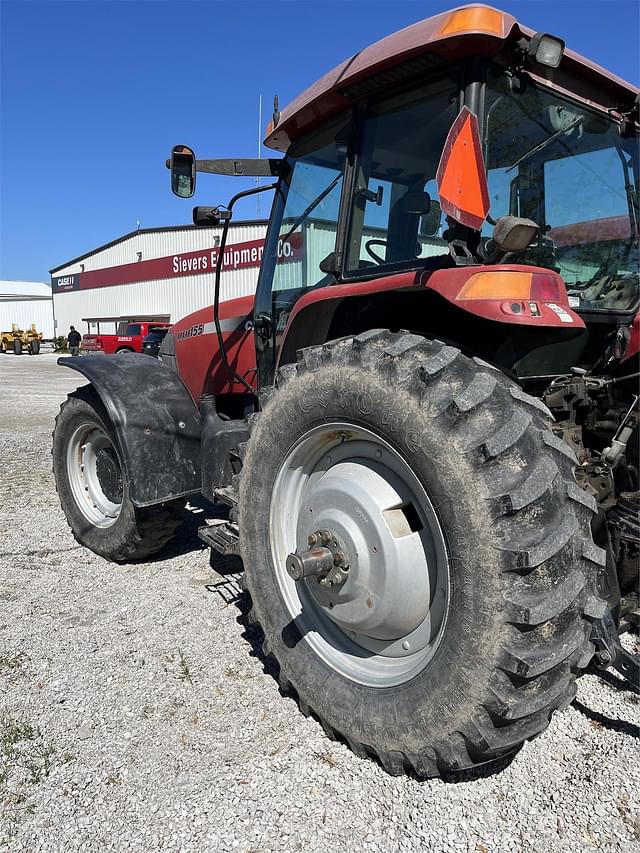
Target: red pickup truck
[[130, 339]]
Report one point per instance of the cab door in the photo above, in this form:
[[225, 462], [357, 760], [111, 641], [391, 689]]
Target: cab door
[[302, 245]]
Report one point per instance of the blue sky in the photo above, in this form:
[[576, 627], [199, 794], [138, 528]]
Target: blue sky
[[94, 94]]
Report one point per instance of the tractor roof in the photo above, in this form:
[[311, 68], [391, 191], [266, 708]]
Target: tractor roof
[[431, 44]]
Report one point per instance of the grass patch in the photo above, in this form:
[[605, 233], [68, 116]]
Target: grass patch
[[25, 760], [12, 662], [183, 668], [179, 666]]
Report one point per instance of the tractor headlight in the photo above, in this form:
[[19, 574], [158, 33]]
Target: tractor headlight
[[546, 49]]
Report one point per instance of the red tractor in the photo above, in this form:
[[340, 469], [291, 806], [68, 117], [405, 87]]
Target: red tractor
[[425, 423]]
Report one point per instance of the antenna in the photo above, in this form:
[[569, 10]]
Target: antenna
[[259, 152]]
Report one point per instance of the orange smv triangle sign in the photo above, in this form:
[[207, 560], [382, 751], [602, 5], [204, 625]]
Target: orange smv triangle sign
[[461, 176]]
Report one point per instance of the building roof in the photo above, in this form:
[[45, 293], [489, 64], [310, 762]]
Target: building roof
[[130, 318], [21, 291], [157, 230]]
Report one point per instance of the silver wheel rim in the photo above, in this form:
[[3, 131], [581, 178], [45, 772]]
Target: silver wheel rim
[[384, 624], [95, 475]]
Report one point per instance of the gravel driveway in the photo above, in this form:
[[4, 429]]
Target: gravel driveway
[[135, 713]]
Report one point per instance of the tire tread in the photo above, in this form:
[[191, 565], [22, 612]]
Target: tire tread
[[545, 639]]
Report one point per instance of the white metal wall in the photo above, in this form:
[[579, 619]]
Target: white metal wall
[[179, 296], [319, 238], [25, 303], [159, 244], [175, 297]]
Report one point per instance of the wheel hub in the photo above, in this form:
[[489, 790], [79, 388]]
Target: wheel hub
[[366, 567], [387, 593], [95, 475], [109, 474], [325, 560]]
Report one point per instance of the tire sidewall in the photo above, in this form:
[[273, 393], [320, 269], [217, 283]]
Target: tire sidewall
[[455, 678]]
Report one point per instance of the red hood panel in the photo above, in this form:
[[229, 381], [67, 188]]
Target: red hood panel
[[197, 353]]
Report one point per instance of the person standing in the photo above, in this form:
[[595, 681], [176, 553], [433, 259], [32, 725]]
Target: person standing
[[73, 340]]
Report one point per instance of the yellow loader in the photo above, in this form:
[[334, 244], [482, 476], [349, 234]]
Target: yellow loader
[[18, 340]]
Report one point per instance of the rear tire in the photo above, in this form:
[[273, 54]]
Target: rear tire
[[17, 346], [34, 348], [93, 489], [522, 565]]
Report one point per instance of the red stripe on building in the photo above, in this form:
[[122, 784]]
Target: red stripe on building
[[236, 257]]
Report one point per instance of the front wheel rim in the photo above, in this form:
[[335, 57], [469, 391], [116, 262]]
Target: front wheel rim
[[383, 626], [95, 475]]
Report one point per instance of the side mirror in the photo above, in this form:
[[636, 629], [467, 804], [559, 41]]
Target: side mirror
[[210, 215], [430, 221], [183, 171]]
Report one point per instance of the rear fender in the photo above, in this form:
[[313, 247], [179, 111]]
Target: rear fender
[[542, 318], [156, 422]]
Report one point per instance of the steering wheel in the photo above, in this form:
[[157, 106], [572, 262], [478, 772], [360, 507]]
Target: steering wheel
[[371, 253]]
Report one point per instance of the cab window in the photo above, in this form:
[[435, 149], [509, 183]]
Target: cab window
[[395, 218], [299, 252], [568, 169]]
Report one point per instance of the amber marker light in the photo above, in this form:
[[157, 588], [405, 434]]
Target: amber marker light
[[507, 284], [473, 19], [497, 285]]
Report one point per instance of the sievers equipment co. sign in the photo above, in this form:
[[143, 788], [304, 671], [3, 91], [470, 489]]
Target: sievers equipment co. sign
[[236, 257]]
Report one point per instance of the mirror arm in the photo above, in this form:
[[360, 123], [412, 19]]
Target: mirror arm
[[250, 168], [241, 168]]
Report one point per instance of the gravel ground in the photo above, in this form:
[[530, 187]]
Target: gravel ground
[[135, 713]]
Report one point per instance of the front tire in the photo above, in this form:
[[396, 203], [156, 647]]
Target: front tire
[[485, 613], [34, 348], [17, 346], [92, 485]]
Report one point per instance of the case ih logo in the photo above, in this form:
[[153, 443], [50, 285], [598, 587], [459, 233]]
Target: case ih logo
[[236, 257], [61, 283]]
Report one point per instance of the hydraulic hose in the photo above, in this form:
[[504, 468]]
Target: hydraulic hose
[[218, 273]]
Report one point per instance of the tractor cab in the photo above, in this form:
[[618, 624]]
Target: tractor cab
[[361, 199], [402, 162]]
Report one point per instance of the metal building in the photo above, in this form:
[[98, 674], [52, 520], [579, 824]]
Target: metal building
[[26, 303], [166, 273], [160, 273]]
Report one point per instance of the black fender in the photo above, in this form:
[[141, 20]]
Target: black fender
[[157, 424]]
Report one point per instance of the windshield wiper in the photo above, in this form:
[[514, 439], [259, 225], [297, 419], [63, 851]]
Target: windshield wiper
[[325, 192], [630, 191], [542, 145]]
